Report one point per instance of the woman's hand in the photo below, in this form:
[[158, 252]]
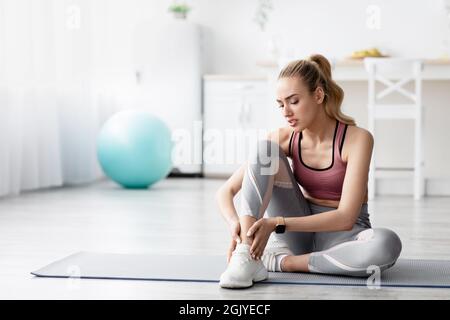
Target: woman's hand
[[260, 231], [231, 249], [235, 230]]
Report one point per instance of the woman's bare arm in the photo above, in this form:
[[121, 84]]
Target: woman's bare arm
[[225, 194]]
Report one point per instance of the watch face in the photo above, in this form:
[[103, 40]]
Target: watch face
[[280, 228]]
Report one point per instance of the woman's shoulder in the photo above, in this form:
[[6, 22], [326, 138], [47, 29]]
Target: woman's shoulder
[[353, 135], [356, 133]]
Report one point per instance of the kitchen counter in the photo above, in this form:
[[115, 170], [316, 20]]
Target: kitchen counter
[[234, 77], [353, 69]]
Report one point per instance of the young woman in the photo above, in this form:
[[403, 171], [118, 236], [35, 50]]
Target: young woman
[[324, 227]]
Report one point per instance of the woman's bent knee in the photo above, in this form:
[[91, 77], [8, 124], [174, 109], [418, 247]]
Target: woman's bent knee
[[266, 158], [388, 246], [394, 244]]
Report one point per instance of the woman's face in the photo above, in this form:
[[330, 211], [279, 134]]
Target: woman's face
[[298, 106]]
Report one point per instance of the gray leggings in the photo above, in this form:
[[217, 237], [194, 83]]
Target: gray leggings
[[269, 189]]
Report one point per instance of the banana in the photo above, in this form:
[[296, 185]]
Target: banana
[[372, 52]]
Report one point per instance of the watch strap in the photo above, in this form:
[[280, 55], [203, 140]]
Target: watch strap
[[280, 220]]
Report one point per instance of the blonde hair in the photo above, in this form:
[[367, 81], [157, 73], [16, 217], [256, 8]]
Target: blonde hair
[[316, 71]]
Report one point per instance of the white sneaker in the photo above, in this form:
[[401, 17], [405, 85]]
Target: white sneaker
[[242, 269], [274, 248]]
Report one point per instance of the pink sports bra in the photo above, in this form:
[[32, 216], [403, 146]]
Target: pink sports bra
[[323, 183]]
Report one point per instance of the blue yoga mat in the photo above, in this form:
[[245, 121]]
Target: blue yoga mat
[[92, 265]]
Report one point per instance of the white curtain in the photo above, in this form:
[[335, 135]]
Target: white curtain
[[57, 87]]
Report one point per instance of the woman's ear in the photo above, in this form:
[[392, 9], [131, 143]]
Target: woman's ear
[[319, 95]]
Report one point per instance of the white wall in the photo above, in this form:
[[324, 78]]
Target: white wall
[[335, 28], [233, 43]]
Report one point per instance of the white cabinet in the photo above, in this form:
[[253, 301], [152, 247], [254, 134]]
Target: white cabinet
[[235, 116], [168, 62]]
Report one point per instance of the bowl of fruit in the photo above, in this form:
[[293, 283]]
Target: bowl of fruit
[[372, 53]]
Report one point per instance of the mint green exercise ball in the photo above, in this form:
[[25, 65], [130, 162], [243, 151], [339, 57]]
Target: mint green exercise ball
[[134, 149]]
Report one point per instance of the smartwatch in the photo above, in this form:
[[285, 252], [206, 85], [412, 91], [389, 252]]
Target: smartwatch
[[281, 225]]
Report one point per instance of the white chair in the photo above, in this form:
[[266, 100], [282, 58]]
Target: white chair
[[394, 73]]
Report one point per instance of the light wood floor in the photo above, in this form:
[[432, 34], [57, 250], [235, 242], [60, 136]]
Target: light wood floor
[[175, 216]]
